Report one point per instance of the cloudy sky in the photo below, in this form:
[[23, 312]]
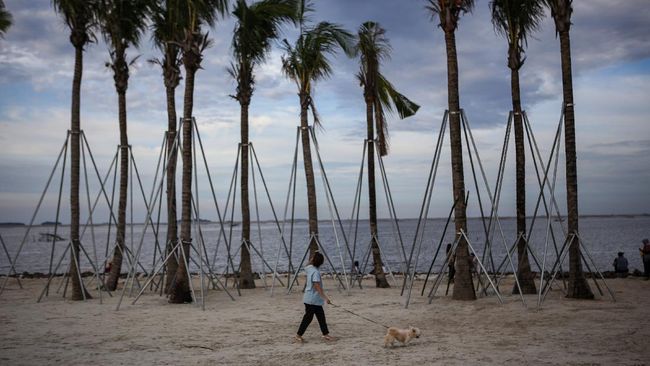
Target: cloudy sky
[[611, 61]]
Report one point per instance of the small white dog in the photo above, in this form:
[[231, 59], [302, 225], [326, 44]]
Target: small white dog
[[402, 335]]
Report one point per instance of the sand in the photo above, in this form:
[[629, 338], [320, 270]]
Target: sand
[[257, 329]]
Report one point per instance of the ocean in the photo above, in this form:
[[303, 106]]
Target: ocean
[[603, 237]]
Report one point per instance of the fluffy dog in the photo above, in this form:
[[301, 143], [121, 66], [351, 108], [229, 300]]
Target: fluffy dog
[[401, 335]]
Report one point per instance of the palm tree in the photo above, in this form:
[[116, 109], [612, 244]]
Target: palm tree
[[166, 31], [5, 19], [449, 12], [122, 23], [193, 15], [516, 20], [257, 26], [306, 63], [380, 95], [79, 16], [561, 12]]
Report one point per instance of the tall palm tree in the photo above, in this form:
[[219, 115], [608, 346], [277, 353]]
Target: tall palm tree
[[449, 12], [516, 20], [257, 26], [122, 23], [305, 63], [194, 14], [5, 19], [561, 12], [79, 16], [166, 31], [380, 96]]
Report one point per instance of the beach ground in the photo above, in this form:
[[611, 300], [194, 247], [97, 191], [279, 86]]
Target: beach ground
[[257, 329]]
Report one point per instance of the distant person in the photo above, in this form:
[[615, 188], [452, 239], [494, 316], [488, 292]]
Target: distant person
[[385, 269], [645, 255], [108, 265], [450, 266], [473, 263], [620, 265], [355, 268], [314, 299]]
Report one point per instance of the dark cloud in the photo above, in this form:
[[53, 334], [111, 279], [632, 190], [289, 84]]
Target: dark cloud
[[36, 61]]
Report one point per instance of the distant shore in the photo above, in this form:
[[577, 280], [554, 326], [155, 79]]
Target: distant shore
[[235, 223]]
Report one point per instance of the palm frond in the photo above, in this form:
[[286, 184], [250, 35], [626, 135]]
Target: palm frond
[[516, 20], [561, 11], [373, 48], [123, 22], [257, 26], [80, 16], [5, 19], [315, 115], [389, 95], [448, 11]]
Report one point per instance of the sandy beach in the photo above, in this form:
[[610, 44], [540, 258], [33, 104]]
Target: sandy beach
[[257, 329]]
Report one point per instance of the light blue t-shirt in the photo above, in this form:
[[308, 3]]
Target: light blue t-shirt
[[311, 296]]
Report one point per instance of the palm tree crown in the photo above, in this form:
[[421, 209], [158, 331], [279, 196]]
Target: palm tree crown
[[257, 25], [306, 62], [122, 23], [373, 47], [80, 17], [561, 13], [5, 19], [449, 11], [166, 28], [516, 20]]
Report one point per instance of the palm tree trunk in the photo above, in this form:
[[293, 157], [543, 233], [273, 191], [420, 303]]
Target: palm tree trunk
[[578, 286], [181, 292], [525, 276], [77, 286], [246, 279], [118, 254], [172, 227], [463, 285], [378, 270], [309, 172]]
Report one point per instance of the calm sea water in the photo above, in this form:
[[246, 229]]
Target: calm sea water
[[603, 236]]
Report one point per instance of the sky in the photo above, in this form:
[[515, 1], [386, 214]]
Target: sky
[[611, 77]]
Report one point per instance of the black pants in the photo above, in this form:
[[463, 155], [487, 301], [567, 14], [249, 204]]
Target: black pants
[[310, 310]]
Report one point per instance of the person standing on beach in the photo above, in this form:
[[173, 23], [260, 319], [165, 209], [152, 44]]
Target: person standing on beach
[[314, 299], [645, 255], [620, 265], [450, 266]]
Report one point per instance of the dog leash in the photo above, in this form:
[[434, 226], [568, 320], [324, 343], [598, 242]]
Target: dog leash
[[360, 316]]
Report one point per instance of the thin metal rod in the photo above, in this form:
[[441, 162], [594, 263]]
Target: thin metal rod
[[4, 247], [442, 237], [257, 214], [426, 200], [58, 209], [92, 226], [586, 251], [195, 200], [284, 218], [12, 264], [51, 276], [222, 232]]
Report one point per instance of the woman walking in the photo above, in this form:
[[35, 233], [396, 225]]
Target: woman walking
[[314, 298]]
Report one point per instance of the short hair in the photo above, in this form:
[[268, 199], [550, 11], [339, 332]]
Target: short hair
[[645, 241], [620, 254], [317, 259]]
